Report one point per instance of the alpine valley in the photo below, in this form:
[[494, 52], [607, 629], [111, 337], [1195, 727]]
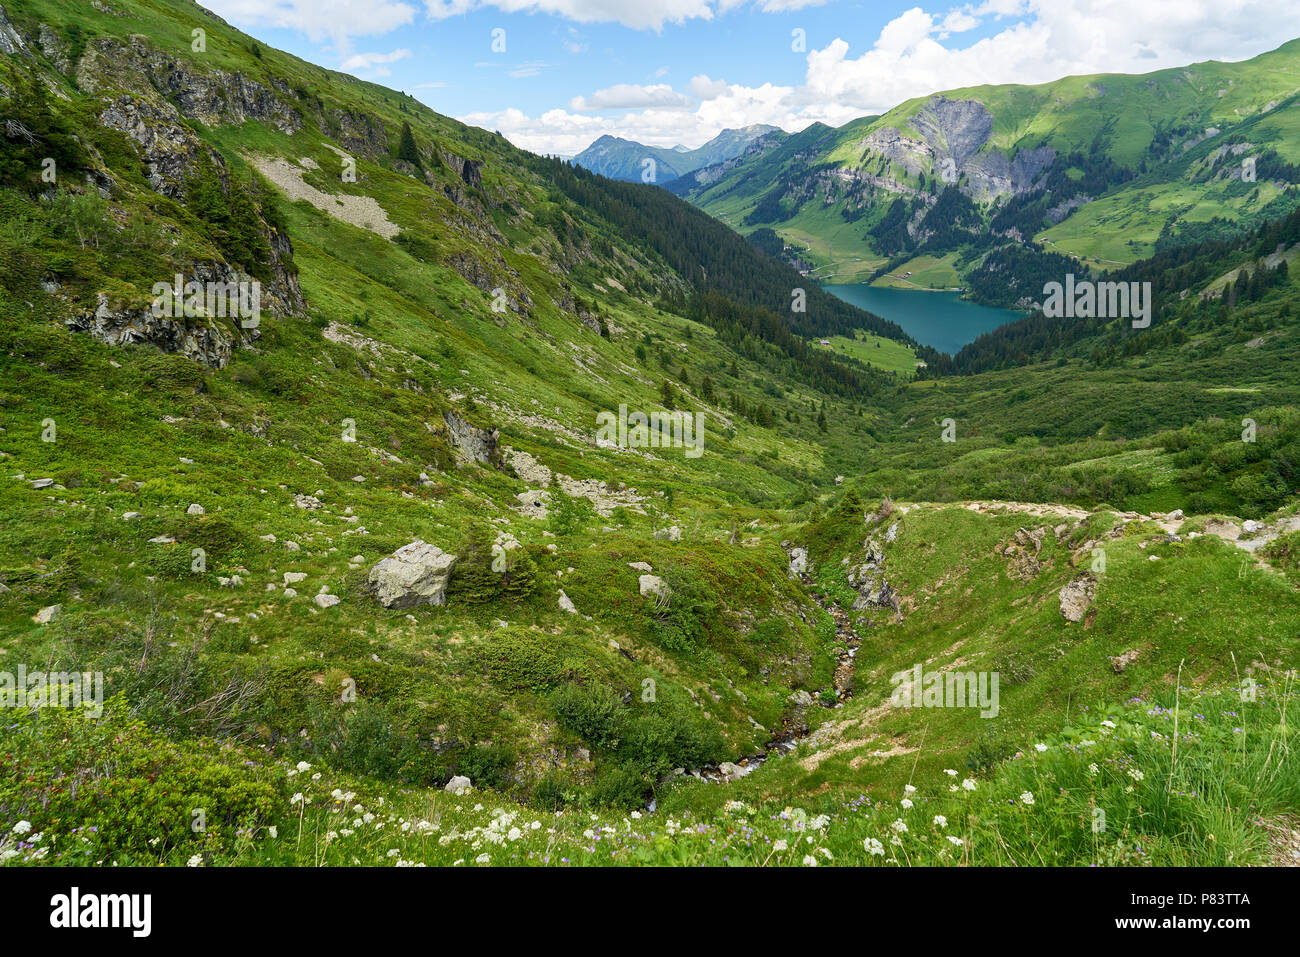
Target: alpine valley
[[529, 516]]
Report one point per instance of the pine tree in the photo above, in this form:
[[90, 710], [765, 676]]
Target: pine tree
[[406, 148], [668, 395], [821, 421]]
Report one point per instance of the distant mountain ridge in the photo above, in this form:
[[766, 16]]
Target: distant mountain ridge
[[1107, 169], [623, 159]]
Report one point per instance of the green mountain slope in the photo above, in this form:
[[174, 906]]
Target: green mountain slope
[[202, 509], [1104, 168]]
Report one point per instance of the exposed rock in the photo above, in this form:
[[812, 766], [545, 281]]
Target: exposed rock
[[867, 578], [534, 504], [671, 534], [210, 342], [169, 150], [798, 562], [953, 138], [652, 586], [10, 41], [566, 603], [55, 50], [603, 498], [326, 600], [195, 509], [640, 567], [1120, 662], [731, 771], [213, 97], [459, 784], [415, 574], [1077, 598], [360, 133], [47, 614], [1022, 553], [470, 443], [527, 468]]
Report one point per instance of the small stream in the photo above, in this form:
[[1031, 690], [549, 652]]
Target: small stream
[[794, 728]]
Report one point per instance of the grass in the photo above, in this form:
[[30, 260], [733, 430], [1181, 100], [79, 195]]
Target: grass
[[325, 447]]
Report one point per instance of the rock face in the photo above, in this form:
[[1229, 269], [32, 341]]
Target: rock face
[[10, 42], [202, 340], [1077, 597], [170, 151], [469, 443], [214, 98], [415, 574], [953, 135], [867, 578]]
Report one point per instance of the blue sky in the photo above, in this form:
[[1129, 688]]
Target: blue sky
[[664, 72]]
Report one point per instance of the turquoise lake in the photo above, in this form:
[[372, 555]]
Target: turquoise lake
[[938, 319]]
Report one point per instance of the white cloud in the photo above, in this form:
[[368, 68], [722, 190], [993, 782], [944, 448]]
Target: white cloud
[[638, 14], [373, 63], [335, 20], [523, 70], [914, 55], [703, 88], [632, 96]]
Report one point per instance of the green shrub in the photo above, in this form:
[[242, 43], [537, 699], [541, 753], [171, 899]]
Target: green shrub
[[517, 661], [134, 789]]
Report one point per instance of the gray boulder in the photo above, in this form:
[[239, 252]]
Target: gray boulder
[[415, 574], [1076, 598]]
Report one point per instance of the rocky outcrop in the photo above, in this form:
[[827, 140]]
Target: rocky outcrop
[[471, 171], [208, 341], [867, 578], [171, 153], [470, 443], [359, 133], [169, 150], [213, 97], [1022, 553], [1077, 597], [799, 564], [953, 145], [10, 40], [55, 50], [415, 574]]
